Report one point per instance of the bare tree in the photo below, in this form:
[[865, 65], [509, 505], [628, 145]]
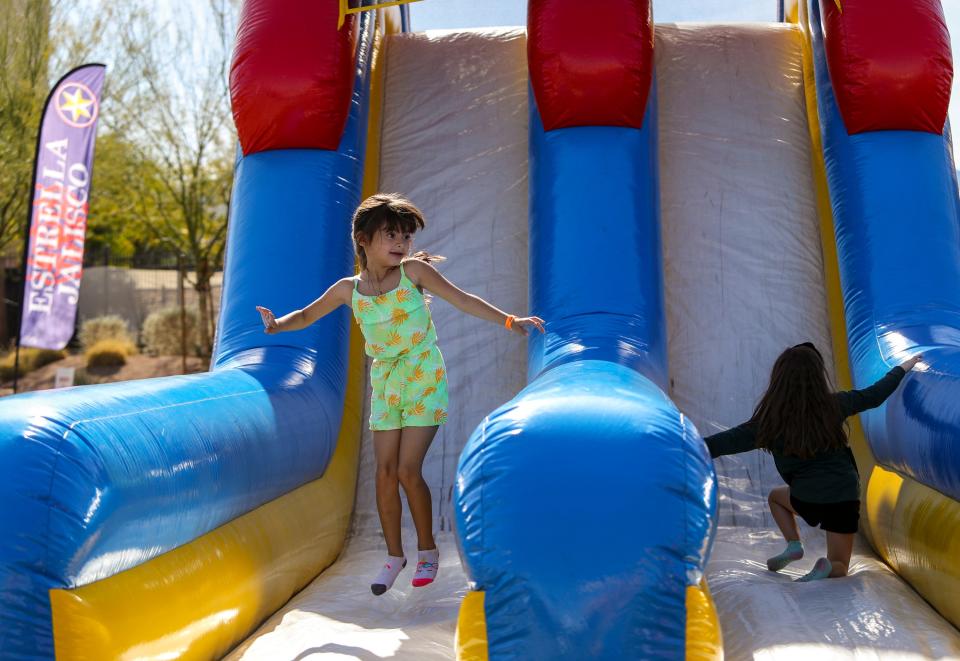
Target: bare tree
[[176, 110]]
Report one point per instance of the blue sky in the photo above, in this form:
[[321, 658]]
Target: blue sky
[[431, 14]]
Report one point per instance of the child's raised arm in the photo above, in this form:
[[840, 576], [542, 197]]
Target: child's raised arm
[[852, 402], [424, 275], [338, 294]]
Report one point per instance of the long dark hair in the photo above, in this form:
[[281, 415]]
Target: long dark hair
[[798, 415], [391, 212]]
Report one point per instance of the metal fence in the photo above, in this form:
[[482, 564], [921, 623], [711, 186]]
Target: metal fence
[[130, 287]]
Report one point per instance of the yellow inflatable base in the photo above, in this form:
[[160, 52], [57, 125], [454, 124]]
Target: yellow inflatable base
[[704, 642], [916, 530], [470, 641]]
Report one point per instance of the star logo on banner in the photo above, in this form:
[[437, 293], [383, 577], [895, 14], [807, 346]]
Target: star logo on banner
[[76, 105]]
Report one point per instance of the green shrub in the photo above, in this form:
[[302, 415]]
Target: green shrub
[[107, 327], [109, 353], [30, 359], [161, 332], [36, 358]]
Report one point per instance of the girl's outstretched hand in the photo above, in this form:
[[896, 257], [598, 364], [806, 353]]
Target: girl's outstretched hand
[[270, 325], [909, 364], [523, 325]]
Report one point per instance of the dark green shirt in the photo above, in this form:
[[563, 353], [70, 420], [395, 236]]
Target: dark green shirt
[[829, 477]]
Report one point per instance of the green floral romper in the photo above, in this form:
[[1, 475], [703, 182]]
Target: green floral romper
[[408, 375]]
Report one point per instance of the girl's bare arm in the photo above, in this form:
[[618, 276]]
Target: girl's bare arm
[[338, 294], [424, 275]]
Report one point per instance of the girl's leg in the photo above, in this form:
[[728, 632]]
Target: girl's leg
[[386, 448], [414, 443], [413, 447], [783, 514], [839, 549]]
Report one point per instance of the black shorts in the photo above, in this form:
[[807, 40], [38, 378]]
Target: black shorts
[[842, 517]]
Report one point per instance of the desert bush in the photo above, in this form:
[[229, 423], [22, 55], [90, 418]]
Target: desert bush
[[30, 359], [109, 353], [161, 332], [107, 327]]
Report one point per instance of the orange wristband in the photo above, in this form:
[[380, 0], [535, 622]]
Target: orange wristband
[[509, 322]]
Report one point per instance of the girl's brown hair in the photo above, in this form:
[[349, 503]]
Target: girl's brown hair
[[390, 212], [798, 415]]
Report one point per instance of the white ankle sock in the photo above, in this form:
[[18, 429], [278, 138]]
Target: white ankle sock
[[388, 574], [428, 562]]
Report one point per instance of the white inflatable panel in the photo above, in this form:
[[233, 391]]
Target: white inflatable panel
[[743, 269], [455, 142]]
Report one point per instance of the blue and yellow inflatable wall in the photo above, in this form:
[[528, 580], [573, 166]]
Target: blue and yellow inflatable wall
[[169, 517]]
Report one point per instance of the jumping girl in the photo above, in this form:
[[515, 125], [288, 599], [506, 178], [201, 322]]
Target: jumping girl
[[408, 375]]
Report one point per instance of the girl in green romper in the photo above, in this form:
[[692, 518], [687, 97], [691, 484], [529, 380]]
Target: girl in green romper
[[408, 376]]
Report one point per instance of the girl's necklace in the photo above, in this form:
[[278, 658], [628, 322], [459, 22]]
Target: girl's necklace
[[379, 285]]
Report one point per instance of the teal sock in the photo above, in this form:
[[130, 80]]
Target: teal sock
[[821, 569], [794, 551]]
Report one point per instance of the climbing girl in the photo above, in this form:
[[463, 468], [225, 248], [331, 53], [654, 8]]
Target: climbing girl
[[801, 423]]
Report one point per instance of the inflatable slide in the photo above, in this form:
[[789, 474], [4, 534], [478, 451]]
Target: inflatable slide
[[680, 203]]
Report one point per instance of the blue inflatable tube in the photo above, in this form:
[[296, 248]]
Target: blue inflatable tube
[[597, 223], [895, 206], [585, 505], [99, 479]]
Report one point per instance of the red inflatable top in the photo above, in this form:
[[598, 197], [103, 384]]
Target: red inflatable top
[[590, 62], [889, 62], [292, 75]]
